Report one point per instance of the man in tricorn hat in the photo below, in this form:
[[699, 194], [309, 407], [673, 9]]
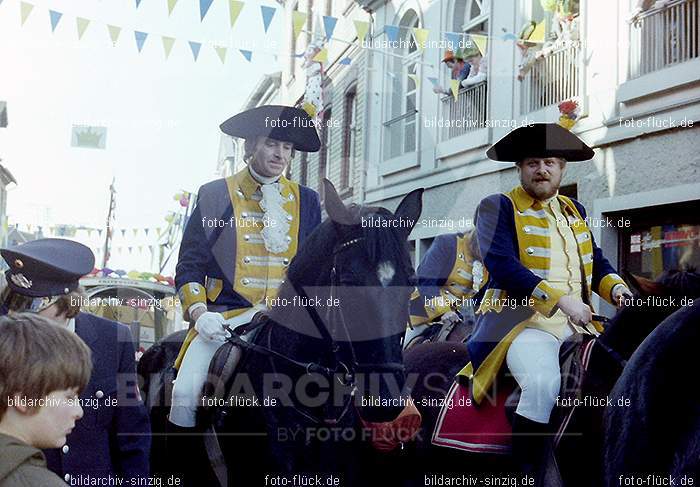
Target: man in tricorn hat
[[238, 243], [543, 266], [112, 441]]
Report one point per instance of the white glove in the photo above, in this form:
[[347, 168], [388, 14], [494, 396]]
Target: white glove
[[577, 311], [245, 317], [210, 326]]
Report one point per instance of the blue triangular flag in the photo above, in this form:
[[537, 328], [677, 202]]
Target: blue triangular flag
[[204, 7], [267, 14], [329, 26], [195, 46], [345, 60], [433, 81], [138, 2], [247, 54], [55, 17], [392, 32], [140, 39], [453, 39]]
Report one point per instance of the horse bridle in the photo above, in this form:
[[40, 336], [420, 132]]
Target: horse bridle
[[345, 373], [614, 354]]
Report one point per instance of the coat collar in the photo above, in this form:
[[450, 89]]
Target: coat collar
[[84, 329], [248, 185], [523, 200]]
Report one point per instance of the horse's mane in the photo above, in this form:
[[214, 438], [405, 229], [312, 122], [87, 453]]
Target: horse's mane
[[380, 242], [681, 283]]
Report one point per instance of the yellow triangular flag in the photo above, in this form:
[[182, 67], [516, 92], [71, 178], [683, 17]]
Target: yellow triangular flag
[[168, 45], [321, 56], [415, 79], [421, 36], [362, 28], [454, 85], [171, 6], [82, 25], [114, 32], [26, 9], [221, 51], [480, 42], [298, 21], [235, 8], [537, 34]]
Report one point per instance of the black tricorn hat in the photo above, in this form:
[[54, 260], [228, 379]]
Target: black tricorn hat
[[47, 267], [278, 122], [539, 140]]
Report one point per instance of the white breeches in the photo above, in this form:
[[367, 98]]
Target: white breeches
[[533, 359], [191, 377]]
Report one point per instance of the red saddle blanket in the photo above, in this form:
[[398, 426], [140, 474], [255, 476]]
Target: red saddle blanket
[[464, 426]]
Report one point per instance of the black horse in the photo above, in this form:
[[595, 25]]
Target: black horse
[[327, 355], [658, 433], [579, 452]]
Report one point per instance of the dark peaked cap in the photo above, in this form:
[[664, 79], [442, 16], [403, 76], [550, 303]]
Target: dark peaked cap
[[47, 267], [539, 140], [287, 124]]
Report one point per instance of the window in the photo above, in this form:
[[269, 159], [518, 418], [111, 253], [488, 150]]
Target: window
[[292, 41], [324, 154], [401, 126], [348, 136], [303, 164], [472, 16]]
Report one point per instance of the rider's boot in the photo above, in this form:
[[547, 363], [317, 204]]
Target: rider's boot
[[532, 447]]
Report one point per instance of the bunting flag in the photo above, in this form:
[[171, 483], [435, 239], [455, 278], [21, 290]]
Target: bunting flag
[[361, 27], [168, 45], [329, 26], [25, 9], [55, 18], [509, 36], [247, 54], [421, 36], [138, 2], [537, 34], [221, 51], [298, 21], [415, 79], [82, 25], [89, 137], [140, 39], [114, 32], [123, 231], [321, 56], [235, 8], [453, 40], [171, 6], [481, 41], [267, 14], [346, 60], [136, 231], [454, 86], [434, 82], [204, 8], [195, 46], [392, 32]]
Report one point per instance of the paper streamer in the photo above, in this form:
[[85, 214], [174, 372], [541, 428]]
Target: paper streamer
[[421, 36], [204, 8], [362, 28], [25, 10], [267, 14], [298, 21], [235, 8], [55, 19], [82, 25], [168, 45], [329, 26], [140, 39], [195, 47]]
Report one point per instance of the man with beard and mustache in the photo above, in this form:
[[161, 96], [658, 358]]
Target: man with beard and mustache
[[543, 266]]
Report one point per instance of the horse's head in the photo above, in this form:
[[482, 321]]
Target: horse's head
[[653, 302], [357, 262]]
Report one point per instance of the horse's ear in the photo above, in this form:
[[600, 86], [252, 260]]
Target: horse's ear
[[334, 205], [409, 210], [644, 286]]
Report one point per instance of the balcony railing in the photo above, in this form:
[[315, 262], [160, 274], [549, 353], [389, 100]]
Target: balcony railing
[[464, 114], [664, 36], [553, 78]]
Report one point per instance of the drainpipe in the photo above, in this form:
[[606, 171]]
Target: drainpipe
[[368, 109]]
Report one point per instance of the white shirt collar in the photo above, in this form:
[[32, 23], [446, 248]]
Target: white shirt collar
[[71, 325]]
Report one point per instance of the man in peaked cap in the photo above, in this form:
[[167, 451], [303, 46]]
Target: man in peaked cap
[[237, 245], [540, 255], [112, 439]]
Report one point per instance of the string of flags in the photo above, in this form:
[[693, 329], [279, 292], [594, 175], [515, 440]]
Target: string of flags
[[267, 14]]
